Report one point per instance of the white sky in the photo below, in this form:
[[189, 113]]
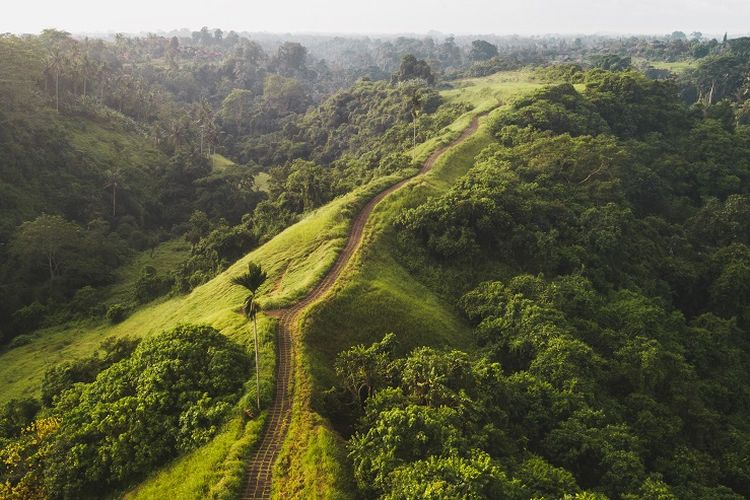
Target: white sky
[[381, 16]]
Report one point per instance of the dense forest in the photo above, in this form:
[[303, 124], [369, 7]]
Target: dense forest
[[598, 247], [614, 351]]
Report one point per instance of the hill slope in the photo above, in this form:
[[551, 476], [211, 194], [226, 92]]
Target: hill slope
[[376, 293], [296, 260]]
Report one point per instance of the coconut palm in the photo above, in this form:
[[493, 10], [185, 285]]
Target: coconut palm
[[251, 281], [205, 122], [56, 65]]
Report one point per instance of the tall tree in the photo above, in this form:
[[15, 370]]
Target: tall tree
[[48, 238], [412, 68], [251, 281], [56, 65], [482, 50]]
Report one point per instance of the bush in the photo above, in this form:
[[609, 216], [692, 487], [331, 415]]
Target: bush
[[15, 415], [150, 285], [61, 377], [85, 301], [29, 317], [212, 254], [20, 340], [117, 313], [169, 397]]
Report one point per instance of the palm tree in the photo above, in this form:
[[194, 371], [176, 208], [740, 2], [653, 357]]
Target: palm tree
[[416, 109], [176, 134], [251, 281], [113, 177], [205, 122], [56, 64], [88, 68]]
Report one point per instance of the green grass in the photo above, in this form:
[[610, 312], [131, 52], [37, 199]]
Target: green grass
[[164, 259], [492, 91], [261, 180], [112, 146], [92, 146], [206, 472], [219, 162], [676, 67]]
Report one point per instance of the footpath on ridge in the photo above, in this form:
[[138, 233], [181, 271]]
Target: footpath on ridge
[[260, 465]]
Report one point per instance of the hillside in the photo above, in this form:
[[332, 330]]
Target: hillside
[[295, 260], [372, 283], [530, 283], [64, 165], [576, 246]]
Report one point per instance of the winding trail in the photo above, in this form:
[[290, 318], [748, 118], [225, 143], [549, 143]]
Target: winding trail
[[260, 466]]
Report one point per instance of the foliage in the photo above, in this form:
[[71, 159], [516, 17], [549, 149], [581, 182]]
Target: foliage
[[481, 50], [413, 69], [63, 376], [437, 426], [611, 227], [168, 397], [611, 62], [150, 285], [15, 416], [363, 369], [215, 248], [116, 313]]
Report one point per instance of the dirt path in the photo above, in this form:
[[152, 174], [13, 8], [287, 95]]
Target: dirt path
[[260, 466]]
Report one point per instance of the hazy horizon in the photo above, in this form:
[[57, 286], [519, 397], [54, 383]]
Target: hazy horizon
[[388, 17]]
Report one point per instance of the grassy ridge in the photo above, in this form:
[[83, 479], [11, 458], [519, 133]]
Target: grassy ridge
[[296, 260], [376, 294], [313, 463], [676, 67]]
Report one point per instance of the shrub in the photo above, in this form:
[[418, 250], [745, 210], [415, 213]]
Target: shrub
[[29, 317], [61, 377], [117, 313], [150, 285], [169, 397], [85, 301], [20, 340], [15, 415]]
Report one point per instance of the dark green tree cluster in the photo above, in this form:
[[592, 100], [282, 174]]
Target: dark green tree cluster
[[351, 121], [113, 418], [413, 69], [721, 74], [481, 50], [443, 424], [213, 248]]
